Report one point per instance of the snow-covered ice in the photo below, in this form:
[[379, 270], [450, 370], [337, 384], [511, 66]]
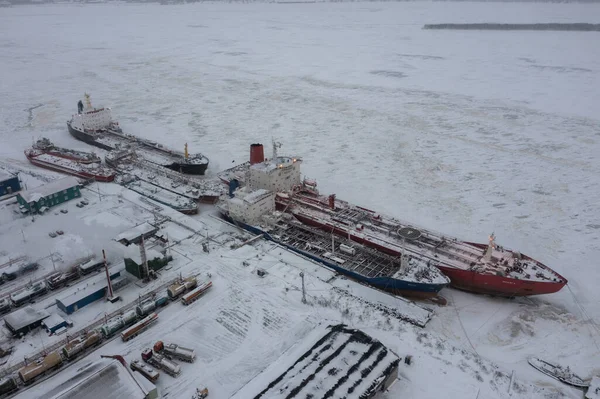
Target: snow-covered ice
[[464, 132]]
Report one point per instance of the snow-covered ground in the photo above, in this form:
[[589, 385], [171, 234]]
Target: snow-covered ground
[[465, 132]]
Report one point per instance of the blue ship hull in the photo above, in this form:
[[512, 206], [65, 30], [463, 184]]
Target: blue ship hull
[[393, 285]]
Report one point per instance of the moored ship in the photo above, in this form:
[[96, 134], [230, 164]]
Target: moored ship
[[95, 126], [68, 166], [48, 147], [480, 268], [254, 210]]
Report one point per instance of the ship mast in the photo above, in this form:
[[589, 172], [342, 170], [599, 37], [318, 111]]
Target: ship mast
[[490, 248], [276, 145], [88, 102]]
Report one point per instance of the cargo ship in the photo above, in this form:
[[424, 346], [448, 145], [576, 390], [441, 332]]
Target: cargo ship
[[254, 210], [68, 166], [96, 127], [48, 147], [475, 267]]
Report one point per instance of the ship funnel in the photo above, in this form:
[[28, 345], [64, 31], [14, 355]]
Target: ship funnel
[[257, 154], [332, 201], [233, 185]]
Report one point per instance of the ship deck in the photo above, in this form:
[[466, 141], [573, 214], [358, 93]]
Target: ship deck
[[450, 252], [192, 187], [366, 261], [67, 164], [163, 196]]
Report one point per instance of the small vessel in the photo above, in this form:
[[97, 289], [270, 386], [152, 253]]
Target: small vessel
[[475, 267], [48, 147], [563, 374], [95, 126], [64, 165]]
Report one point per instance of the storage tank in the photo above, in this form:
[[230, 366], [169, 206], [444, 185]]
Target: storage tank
[[145, 308], [80, 343], [28, 373], [112, 326], [162, 301], [129, 317]]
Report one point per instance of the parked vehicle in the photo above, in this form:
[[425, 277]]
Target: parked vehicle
[[145, 370], [194, 295], [175, 351], [159, 361]]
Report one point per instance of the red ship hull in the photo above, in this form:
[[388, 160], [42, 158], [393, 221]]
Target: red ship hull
[[74, 172], [466, 280], [75, 158]]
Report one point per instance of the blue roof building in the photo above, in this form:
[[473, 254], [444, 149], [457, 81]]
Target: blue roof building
[[87, 292], [53, 323], [9, 183]]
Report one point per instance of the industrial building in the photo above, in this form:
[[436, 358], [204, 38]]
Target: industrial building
[[54, 323], [24, 320], [49, 195], [343, 363], [86, 292], [93, 379], [135, 234], [9, 183], [134, 263]]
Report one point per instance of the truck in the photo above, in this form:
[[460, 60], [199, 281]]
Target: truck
[[81, 343], [29, 373], [194, 295], [161, 362], [180, 287], [139, 327], [145, 370], [176, 351]]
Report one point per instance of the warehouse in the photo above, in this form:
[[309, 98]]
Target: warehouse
[[134, 263], [102, 378], [49, 195], [9, 183], [86, 293], [24, 320], [343, 363]]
